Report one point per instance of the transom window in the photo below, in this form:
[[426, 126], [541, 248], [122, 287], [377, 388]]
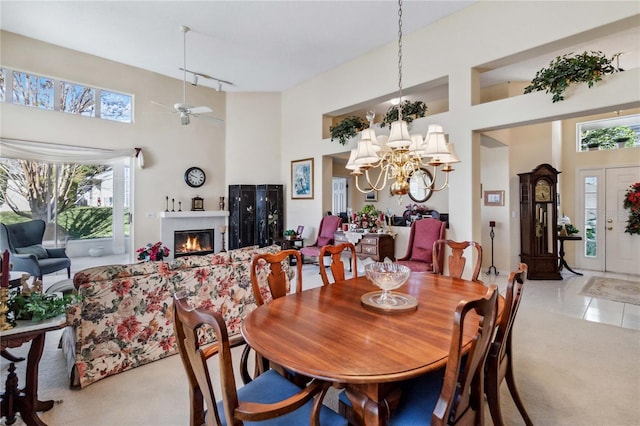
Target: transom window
[[21, 88], [610, 133]]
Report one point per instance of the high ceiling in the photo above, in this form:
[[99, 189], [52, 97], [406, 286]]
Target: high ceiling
[[257, 45], [263, 45]]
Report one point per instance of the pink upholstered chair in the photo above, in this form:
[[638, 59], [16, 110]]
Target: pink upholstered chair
[[328, 226], [424, 233]]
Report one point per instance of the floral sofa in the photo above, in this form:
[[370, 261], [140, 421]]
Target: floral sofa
[[124, 317]]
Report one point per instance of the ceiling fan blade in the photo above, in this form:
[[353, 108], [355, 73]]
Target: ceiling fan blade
[[208, 117], [200, 110]]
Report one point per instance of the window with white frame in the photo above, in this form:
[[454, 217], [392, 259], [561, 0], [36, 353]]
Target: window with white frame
[[609, 133], [22, 88]]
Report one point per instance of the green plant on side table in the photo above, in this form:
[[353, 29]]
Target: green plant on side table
[[587, 67], [348, 128], [290, 234], [37, 306]]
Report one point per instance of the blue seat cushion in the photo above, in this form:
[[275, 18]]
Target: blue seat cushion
[[271, 387], [418, 400], [53, 264]]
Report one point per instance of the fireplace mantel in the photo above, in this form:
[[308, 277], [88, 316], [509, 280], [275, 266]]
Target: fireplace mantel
[[196, 214], [187, 220]]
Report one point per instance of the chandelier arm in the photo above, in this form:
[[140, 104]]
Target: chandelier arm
[[433, 182], [378, 186]]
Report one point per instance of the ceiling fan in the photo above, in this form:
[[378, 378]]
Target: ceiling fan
[[185, 110]]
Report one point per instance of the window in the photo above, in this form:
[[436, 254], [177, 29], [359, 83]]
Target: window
[[76, 99], [3, 84], [590, 215], [32, 90], [115, 106], [85, 212], [611, 133], [26, 89]]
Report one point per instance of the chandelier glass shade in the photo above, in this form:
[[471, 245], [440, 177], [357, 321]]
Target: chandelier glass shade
[[397, 157]]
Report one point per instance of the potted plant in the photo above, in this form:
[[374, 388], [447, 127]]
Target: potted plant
[[410, 111], [607, 138], [290, 234], [347, 128], [36, 306], [587, 67]]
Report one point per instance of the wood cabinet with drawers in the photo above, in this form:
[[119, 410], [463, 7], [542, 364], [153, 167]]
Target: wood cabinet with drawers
[[375, 246]]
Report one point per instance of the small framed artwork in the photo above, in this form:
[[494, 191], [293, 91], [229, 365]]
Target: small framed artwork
[[371, 196], [299, 230], [494, 198], [302, 179]]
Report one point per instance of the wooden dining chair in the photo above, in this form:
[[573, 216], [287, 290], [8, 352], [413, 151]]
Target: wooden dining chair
[[268, 396], [458, 399], [500, 358], [456, 259], [337, 265], [278, 284], [454, 394]]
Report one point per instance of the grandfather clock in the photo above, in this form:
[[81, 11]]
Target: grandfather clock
[[538, 219]]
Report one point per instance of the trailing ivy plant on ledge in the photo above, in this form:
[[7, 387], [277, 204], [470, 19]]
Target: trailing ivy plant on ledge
[[568, 69], [410, 111], [348, 128]]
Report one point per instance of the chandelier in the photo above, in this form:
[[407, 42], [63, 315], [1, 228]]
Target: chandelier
[[401, 155]]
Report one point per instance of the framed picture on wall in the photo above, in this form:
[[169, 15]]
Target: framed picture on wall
[[494, 198], [371, 196], [302, 179]]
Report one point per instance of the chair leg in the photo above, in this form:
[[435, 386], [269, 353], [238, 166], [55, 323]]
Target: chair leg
[[511, 383], [68, 272], [492, 390]]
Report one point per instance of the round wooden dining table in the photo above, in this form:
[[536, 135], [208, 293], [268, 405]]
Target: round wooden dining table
[[327, 334]]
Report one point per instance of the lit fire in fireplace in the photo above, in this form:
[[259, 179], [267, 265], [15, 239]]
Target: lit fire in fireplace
[[193, 242]]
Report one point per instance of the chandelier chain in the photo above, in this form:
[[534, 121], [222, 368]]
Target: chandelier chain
[[400, 59]]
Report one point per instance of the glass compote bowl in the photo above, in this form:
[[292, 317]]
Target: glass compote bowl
[[387, 276]]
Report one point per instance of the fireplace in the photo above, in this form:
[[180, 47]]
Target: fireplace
[[193, 242]]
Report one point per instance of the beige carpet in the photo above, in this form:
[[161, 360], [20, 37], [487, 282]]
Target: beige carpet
[[613, 289], [569, 372]]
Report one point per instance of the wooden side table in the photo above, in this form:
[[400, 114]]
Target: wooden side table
[[563, 262], [287, 244], [26, 402]]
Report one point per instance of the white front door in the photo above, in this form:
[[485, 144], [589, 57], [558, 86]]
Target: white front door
[[622, 253]]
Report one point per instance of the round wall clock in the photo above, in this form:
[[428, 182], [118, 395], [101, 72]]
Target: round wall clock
[[195, 177]]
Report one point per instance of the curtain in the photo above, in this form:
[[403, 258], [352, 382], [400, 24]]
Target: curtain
[[54, 153]]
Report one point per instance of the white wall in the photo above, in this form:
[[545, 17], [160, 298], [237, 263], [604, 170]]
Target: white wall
[[495, 177], [253, 139]]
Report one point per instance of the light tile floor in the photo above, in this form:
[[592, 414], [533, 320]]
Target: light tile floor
[[558, 296]]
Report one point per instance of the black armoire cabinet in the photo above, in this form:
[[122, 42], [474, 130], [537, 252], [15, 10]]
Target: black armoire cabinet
[[538, 223], [256, 214]]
